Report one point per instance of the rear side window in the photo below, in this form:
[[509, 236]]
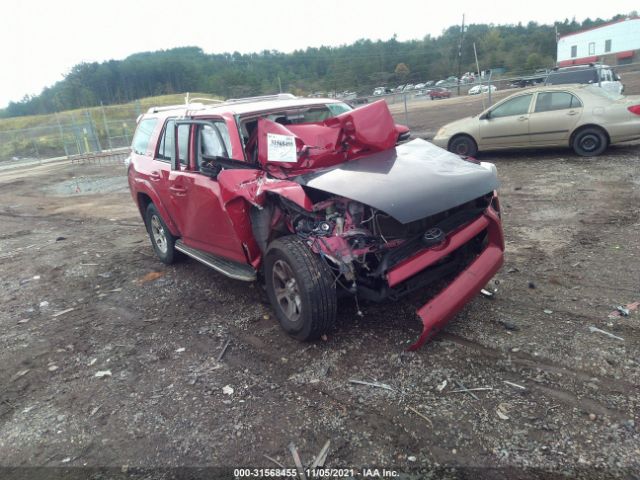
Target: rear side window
[[142, 136], [515, 106], [166, 150], [549, 101]]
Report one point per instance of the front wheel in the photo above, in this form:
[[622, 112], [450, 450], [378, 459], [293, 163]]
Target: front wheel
[[589, 142], [162, 240], [301, 288], [463, 145]]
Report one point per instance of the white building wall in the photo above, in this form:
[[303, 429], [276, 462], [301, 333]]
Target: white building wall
[[624, 36]]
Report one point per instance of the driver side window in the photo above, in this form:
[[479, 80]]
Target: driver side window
[[214, 142], [515, 106]]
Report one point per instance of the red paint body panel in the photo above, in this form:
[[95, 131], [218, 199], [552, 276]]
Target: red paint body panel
[[440, 309], [426, 258]]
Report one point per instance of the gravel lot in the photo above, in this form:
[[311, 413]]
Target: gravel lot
[[83, 296]]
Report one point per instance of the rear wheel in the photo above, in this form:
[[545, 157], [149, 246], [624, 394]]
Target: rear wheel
[[162, 240], [301, 288], [589, 142], [463, 145]]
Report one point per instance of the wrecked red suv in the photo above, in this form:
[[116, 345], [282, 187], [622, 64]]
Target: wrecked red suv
[[318, 200]]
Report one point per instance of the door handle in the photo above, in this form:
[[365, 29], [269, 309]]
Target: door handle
[[572, 112], [179, 191], [155, 175], [522, 119]]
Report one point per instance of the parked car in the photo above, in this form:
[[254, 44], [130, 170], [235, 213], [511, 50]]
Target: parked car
[[595, 74], [476, 90], [583, 117], [379, 91], [439, 92], [430, 83], [408, 87], [319, 201], [419, 86], [423, 92], [439, 83]]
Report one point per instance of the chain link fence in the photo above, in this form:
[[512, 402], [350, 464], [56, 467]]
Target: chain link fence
[[103, 132], [99, 131]]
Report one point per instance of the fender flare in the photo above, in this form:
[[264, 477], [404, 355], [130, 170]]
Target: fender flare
[[143, 187]]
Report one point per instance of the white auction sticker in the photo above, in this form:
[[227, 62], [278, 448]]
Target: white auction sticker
[[281, 148]]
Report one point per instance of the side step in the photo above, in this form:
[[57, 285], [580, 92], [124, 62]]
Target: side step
[[238, 271]]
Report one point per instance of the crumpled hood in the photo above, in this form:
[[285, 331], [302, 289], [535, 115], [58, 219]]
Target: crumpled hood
[[409, 182]]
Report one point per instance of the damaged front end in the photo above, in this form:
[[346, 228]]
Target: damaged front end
[[376, 257], [388, 220]]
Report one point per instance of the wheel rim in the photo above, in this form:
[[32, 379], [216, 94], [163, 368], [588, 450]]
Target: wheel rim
[[461, 147], [158, 234], [590, 143], [286, 290]]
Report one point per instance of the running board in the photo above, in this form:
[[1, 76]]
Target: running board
[[235, 270]]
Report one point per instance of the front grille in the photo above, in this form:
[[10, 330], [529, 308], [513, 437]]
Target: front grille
[[447, 221]]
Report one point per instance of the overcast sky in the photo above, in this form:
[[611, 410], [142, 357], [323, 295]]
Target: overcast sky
[[40, 40]]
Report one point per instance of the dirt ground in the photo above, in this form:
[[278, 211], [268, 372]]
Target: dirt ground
[[83, 296]]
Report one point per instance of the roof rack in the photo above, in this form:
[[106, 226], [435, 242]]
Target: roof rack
[[262, 98], [198, 105]]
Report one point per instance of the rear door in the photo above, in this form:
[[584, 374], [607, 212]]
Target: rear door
[[554, 117], [506, 125], [166, 172]]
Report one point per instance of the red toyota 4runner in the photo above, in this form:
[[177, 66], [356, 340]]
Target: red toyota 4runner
[[318, 200]]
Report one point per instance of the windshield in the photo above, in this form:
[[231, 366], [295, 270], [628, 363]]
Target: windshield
[[573, 76], [601, 92]]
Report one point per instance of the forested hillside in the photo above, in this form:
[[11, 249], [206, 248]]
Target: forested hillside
[[359, 67]]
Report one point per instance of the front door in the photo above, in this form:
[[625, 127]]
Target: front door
[[203, 220], [507, 124]]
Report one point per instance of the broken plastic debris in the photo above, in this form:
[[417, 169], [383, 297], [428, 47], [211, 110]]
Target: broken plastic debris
[[441, 386], [44, 304], [597, 330], [92, 362], [486, 293], [150, 277], [623, 311], [547, 311], [53, 368], [631, 307], [227, 390], [502, 412], [411, 458], [103, 373], [180, 350]]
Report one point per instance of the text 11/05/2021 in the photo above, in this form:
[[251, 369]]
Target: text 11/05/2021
[[240, 473]]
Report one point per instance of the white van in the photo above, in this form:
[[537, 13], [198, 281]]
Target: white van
[[602, 75]]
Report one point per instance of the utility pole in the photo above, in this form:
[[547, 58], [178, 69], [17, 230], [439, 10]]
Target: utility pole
[[460, 52]]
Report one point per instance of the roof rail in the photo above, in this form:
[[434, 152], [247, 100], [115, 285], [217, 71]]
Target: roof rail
[[188, 105], [262, 98]]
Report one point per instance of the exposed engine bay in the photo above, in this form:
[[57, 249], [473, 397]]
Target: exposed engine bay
[[361, 243]]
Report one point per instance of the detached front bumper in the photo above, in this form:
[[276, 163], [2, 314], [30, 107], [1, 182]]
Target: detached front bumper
[[440, 309]]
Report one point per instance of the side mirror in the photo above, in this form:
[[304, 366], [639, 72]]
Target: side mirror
[[485, 116]]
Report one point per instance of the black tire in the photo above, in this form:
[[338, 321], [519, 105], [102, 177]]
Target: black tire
[[306, 307], [589, 142], [463, 145], [162, 241]]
